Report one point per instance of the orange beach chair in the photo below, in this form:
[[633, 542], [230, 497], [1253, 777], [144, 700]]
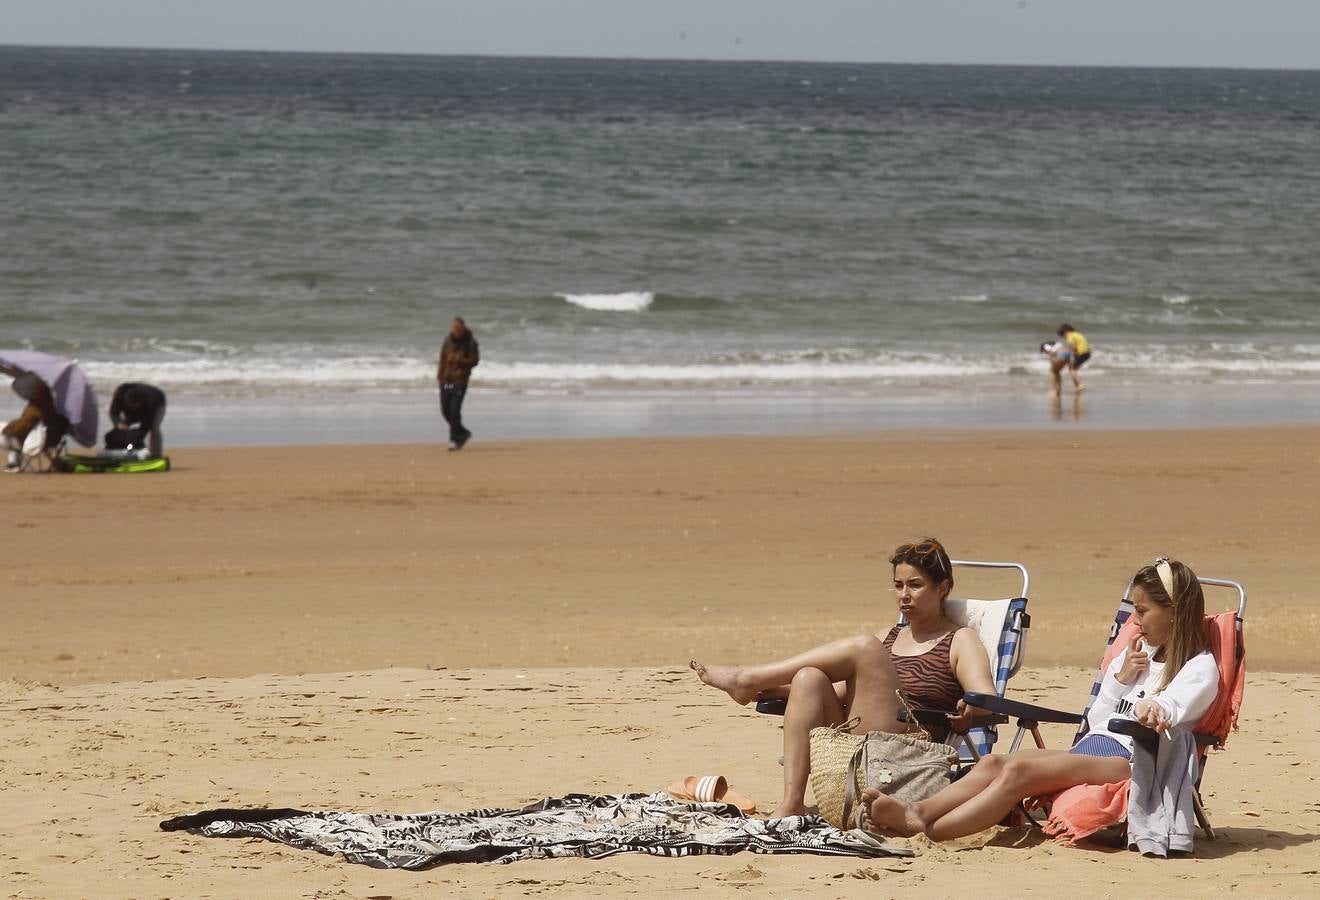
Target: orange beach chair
[[1081, 811]]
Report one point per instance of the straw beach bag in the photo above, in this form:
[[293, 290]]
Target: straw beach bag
[[906, 766]]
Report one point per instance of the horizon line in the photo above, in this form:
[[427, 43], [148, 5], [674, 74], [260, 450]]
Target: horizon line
[[661, 59]]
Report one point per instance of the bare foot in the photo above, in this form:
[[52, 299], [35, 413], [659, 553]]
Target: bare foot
[[784, 810], [1079, 388], [726, 678], [891, 815]]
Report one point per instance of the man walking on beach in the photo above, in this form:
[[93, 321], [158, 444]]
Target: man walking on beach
[[458, 357]]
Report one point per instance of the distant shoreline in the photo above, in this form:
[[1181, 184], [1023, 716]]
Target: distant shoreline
[[414, 416]]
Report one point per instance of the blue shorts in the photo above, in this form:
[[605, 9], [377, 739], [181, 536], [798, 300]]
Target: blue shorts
[[1100, 745]]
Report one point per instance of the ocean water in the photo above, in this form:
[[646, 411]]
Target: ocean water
[[286, 230]]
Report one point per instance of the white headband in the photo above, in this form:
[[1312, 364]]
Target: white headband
[[1165, 572]]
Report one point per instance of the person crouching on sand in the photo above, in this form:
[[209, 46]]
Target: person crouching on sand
[[1165, 678], [932, 661]]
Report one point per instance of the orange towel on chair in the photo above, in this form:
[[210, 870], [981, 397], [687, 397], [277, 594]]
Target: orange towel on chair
[[1222, 716], [1081, 811]]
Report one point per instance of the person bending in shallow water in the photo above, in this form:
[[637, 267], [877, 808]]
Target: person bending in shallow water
[[932, 661], [1079, 352], [1166, 678], [1060, 358]]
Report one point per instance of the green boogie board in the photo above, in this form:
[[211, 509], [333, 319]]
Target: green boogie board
[[103, 464]]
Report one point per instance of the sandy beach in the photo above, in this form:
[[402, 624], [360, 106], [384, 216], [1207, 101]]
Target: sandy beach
[[400, 629]]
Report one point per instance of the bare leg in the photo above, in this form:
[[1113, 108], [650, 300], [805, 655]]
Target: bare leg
[[1027, 773], [871, 691], [861, 662], [812, 702], [1077, 382]]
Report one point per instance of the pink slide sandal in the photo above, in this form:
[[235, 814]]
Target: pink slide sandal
[[710, 789]]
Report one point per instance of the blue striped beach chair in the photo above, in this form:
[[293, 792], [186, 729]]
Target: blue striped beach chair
[[1002, 625]]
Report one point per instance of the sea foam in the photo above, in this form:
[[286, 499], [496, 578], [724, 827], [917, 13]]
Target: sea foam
[[628, 301], [642, 374], [299, 371]]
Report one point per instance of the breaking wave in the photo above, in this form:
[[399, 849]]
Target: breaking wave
[[628, 301]]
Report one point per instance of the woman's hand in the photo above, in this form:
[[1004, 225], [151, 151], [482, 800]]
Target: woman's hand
[[1136, 661], [961, 720], [1151, 714]]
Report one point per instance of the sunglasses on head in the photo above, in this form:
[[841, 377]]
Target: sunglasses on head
[[923, 552]]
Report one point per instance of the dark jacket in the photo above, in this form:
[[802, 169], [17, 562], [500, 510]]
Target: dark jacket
[[458, 357], [149, 399]]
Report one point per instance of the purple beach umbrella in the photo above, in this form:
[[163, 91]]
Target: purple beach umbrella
[[73, 395]]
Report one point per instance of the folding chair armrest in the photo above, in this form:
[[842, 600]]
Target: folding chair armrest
[[927, 717], [1027, 712], [930, 718], [940, 718], [1147, 737]]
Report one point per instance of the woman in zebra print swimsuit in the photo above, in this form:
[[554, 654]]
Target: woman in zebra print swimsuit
[[932, 662]]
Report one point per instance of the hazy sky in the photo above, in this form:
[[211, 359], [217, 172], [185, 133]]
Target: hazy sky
[[1243, 33]]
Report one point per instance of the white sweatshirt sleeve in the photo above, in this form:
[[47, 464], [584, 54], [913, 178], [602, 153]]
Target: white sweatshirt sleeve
[[1111, 691], [1191, 692]]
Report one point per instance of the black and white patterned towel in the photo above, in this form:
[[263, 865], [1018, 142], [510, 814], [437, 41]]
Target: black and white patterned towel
[[593, 827]]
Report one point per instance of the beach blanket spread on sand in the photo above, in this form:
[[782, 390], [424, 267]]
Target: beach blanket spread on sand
[[576, 825]]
